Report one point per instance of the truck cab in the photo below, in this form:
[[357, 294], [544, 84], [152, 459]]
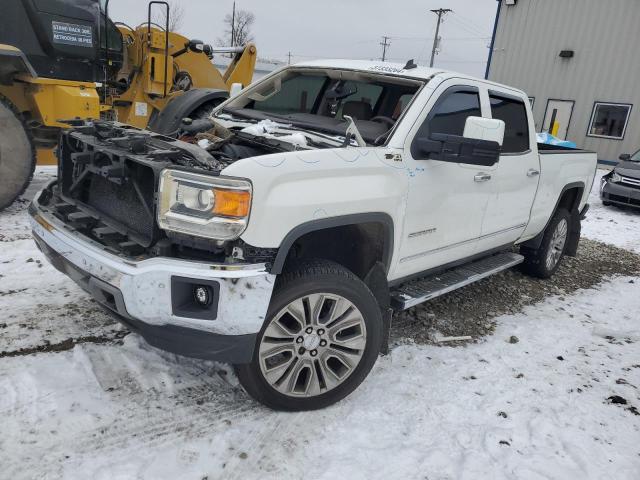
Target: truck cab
[[281, 233]]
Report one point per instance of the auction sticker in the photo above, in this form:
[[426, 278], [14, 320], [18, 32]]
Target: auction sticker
[[72, 34], [141, 109]]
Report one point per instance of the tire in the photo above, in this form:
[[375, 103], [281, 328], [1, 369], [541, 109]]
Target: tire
[[606, 204], [17, 154], [545, 261], [287, 375]]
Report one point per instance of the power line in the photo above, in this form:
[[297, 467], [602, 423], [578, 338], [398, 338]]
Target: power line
[[440, 12], [385, 43]]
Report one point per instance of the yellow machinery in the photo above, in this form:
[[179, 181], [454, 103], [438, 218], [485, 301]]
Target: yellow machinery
[[62, 62]]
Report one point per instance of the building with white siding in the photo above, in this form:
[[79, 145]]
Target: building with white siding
[[579, 61]]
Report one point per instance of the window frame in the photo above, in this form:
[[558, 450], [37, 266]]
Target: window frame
[[598, 103], [516, 98], [450, 91], [432, 111], [532, 101]]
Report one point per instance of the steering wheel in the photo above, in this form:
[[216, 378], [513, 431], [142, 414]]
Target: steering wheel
[[390, 122]]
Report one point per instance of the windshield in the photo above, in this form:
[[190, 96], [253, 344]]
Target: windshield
[[636, 157], [321, 99]]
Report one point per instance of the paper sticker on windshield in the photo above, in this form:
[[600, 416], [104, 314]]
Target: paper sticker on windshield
[[72, 34]]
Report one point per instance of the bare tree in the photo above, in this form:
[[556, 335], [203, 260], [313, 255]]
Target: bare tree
[[238, 29], [176, 15]]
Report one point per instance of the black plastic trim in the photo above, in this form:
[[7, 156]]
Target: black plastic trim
[[324, 223], [183, 303], [168, 121], [536, 241]]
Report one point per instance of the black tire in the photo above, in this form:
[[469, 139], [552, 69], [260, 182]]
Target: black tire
[[606, 204], [536, 261], [17, 154], [306, 279]]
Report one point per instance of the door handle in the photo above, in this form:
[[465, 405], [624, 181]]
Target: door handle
[[533, 172], [482, 177]]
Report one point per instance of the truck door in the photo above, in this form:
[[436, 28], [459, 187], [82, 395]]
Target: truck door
[[445, 204], [515, 177]]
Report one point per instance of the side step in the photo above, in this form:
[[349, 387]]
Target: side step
[[421, 290]]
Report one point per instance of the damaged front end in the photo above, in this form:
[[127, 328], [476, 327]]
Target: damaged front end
[[141, 195]]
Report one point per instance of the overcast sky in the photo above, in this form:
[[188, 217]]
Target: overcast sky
[[345, 28]]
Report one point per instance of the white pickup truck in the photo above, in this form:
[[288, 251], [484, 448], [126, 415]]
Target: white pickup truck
[[280, 234]]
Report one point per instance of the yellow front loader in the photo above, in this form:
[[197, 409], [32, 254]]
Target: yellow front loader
[[63, 61]]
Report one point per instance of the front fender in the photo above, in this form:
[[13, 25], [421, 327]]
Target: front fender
[[318, 187]]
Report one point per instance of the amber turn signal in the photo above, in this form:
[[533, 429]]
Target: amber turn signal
[[231, 203]]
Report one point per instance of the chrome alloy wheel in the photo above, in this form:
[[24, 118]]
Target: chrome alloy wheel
[[558, 241], [312, 345]]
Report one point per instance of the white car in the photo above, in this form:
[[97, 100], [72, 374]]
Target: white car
[[283, 232]]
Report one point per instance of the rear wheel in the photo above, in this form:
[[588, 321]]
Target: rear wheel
[[17, 154], [321, 338], [544, 261]]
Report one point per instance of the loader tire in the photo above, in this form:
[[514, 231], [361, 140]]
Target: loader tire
[[17, 154]]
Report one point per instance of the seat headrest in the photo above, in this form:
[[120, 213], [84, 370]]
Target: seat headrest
[[357, 110]]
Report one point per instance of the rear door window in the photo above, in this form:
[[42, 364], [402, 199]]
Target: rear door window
[[514, 114]]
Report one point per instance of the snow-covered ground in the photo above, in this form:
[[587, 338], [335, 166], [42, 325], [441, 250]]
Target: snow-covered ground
[[617, 226], [537, 408]]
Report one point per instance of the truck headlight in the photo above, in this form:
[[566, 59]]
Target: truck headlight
[[615, 178], [203, 205]]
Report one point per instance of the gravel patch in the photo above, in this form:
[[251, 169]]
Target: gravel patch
[[472, 310]]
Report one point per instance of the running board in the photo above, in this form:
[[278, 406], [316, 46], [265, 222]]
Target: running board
[[423, 289]]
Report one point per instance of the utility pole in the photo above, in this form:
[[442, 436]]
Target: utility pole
[[440, 12], [233, 26], [289, 55], [385, 43]]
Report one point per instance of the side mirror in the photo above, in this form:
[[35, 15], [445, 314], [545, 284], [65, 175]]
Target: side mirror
[[625, 157], [456, 149], [235, 89], [481, 128]]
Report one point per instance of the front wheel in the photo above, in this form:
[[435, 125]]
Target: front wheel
[[544, 261], [321, 338]]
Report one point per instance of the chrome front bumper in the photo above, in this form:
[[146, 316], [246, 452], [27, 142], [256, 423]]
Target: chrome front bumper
[[142, 290]]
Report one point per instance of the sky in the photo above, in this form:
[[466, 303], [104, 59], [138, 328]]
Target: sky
[[345, 28]]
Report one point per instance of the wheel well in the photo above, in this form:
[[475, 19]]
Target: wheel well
[[570, 199], [357, 247]]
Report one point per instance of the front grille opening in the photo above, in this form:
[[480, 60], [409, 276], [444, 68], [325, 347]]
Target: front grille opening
[[118, 192]]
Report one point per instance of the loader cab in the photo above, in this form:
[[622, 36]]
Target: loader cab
[[62, 39]]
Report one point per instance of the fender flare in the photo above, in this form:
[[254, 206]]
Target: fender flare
[[14, 62], [536, 241], [168, 120], [323, 223]]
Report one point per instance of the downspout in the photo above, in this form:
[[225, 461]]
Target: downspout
[[493, 39]]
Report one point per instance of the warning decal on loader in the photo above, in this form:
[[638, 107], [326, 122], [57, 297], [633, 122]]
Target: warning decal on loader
[[72, 34]]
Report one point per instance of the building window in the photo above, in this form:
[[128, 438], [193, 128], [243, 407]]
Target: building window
[[609, 120]]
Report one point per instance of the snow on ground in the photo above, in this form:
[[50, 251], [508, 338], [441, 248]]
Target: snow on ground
[[614, 225], [533, 409]]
